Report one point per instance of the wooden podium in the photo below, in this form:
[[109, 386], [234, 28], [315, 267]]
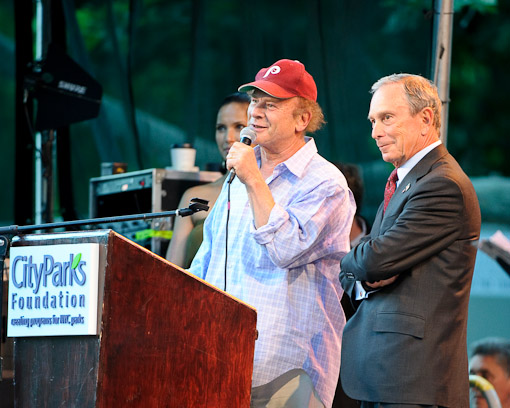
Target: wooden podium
[[166, 339]]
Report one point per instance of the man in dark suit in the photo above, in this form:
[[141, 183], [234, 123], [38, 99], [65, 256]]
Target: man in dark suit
[[410, 278]]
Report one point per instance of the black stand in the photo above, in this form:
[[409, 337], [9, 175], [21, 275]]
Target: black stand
[[196, 205], [3, 251]]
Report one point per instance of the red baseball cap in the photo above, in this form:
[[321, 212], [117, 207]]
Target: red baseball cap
[[284, 79]]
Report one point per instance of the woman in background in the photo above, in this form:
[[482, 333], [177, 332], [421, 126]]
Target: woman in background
[[187, 233]]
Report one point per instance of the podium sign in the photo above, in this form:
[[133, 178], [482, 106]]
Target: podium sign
[[165, 338], [53, 290]]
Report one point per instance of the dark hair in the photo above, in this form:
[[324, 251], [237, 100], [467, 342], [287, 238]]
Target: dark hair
[[496, 347], [236, 97], [354, 181]]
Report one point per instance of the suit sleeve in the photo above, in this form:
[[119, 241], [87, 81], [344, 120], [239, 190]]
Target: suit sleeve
[[429, 221]]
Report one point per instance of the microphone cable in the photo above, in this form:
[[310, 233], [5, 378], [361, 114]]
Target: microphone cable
[[226, 239], [247, 136]]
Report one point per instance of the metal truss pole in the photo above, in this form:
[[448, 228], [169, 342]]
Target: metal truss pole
[[441, 57]]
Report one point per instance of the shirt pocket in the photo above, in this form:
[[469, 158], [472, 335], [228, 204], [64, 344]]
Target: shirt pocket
[[403, 323]]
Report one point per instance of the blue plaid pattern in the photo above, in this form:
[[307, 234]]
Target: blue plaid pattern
[[287, 269]]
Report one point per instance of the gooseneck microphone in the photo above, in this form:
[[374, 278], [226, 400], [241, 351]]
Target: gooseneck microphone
[[247, 137]]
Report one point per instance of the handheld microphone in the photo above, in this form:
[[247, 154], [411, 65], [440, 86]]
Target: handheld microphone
[[247, 137]]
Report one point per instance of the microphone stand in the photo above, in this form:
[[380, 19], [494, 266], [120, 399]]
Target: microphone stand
[[196, 204], [4, 244]]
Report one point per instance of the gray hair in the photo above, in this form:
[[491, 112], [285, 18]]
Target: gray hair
[[420, 92]]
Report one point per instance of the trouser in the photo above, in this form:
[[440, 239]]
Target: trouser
[[294, 389]]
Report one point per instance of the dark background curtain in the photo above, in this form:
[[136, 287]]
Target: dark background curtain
[[166, 65]]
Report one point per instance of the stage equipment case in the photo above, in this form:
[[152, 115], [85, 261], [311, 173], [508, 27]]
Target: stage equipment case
[[143, 191]]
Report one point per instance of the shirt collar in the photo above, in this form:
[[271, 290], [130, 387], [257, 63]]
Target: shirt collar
[[297, 163], [413, 161]]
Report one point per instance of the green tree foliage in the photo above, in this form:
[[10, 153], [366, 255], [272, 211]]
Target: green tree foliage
[[480, 86]]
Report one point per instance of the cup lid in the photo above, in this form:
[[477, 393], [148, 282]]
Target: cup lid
[[182, 146]]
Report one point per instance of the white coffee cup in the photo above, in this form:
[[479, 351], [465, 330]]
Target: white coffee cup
[[183, 157]]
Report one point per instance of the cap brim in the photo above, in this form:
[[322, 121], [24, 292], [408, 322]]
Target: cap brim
[[270, 88]]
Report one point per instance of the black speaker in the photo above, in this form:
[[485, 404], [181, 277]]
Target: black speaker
[[65, 92]]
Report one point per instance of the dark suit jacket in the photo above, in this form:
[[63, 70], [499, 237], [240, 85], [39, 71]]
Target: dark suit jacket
[[406, 343]]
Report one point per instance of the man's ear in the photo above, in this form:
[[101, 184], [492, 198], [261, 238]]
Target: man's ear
[[303, 119], [427, 120]]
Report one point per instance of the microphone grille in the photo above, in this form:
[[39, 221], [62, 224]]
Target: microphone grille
[[248, 133]]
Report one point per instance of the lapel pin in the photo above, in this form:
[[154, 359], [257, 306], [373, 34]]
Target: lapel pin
[[407, 188]]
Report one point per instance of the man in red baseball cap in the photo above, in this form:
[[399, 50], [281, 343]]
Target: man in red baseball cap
[[289, 214], [284, 79], [287, 79]]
